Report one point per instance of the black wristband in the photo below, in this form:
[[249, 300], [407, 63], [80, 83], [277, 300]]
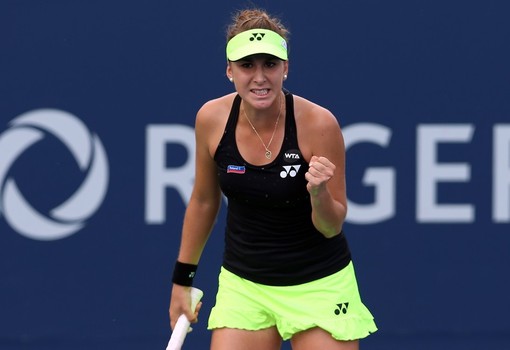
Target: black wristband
[[184, 274]]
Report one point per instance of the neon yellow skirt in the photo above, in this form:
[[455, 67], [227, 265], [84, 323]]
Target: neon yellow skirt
[[332, 303]]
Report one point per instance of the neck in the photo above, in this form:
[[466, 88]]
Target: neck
[[264, 117]]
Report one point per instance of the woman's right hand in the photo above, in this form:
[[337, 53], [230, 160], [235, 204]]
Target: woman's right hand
[[180, 303]]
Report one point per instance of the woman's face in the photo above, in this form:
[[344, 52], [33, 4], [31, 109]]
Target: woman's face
[[258, 79]]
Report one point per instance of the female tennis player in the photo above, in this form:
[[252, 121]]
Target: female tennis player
[[287, 272]]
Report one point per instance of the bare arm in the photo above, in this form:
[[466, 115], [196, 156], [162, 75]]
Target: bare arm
[[326, 174], [200, 214]]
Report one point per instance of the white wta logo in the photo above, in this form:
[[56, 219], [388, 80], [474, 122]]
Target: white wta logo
[[68, 217]]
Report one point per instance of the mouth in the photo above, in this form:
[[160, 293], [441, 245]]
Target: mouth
[[260, 92]]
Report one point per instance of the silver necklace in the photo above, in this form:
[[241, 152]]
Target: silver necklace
[[268, 153]]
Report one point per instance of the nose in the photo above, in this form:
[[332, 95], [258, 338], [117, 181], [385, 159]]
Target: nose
[[259, 76]]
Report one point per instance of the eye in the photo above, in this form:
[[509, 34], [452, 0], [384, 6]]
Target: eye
[[244, 64], [270, 64]]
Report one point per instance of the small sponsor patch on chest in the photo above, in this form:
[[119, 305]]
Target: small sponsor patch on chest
[[236, 169]]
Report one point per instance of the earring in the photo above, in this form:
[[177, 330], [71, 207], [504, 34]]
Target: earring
[[231, 79], [285, 77]]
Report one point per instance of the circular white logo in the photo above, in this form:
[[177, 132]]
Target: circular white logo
[[88, 151]]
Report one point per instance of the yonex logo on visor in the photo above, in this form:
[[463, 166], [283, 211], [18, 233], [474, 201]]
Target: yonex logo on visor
[[256, 41], [257, 36]]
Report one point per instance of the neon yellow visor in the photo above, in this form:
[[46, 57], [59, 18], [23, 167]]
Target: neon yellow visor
[[255, 41]]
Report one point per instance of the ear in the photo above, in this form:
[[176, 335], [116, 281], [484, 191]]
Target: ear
[[286, 67], [229, 71]]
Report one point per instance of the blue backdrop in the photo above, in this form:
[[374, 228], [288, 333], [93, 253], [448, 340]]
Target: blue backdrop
[[97, 105]]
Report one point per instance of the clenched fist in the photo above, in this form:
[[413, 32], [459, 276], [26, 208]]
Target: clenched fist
[[320, 171]]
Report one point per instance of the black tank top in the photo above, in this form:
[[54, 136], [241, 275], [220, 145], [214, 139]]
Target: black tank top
[[269, 236]]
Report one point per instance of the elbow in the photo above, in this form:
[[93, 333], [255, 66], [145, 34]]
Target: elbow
[[329, 231], [329, 222], [332, 232]]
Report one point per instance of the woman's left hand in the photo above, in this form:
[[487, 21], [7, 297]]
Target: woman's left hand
[[320, 171]]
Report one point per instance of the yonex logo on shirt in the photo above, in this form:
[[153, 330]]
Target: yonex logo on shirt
[[290, 170]]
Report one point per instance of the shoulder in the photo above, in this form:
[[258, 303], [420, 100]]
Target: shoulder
[[313, 116], [318, 130], [215, 109], [210, 122], [213, 115]]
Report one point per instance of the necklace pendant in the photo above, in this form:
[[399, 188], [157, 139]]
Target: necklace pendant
[[268, 154]]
